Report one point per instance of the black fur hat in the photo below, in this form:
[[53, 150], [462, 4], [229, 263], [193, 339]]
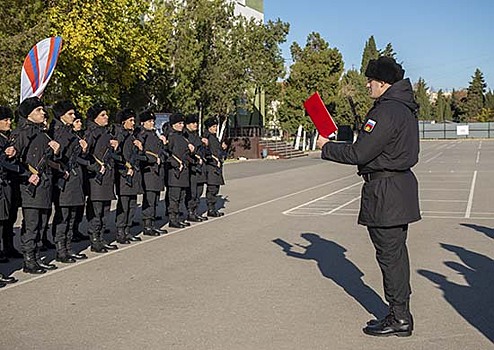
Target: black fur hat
[[95, 110], [146, 115], [124, 114], [62, 107], [385, 69], [29, 105], [176, 118], [6, 113], [210, 122], [191, 118]]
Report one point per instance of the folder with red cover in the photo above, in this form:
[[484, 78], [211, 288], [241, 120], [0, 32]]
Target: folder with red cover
[[320, 116]]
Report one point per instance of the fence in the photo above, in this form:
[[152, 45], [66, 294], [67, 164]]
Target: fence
[[450, 130]]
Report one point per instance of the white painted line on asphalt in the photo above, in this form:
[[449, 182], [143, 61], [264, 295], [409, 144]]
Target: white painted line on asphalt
[[480, 145], [443, 200], [343, 205], [478, 157], [151, 239], [443, 189], [286, 212], [436, 156], [470, 197]]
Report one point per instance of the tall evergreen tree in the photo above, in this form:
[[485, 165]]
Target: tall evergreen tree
[[370, 53], [388, 51], [422, 98], [442, 109], [475, 96], [353, 90], [457, 104], [316, 67]]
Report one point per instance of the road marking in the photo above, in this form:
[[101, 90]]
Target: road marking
[[431, 159], [286, 212], [478, 157], [470, 197]]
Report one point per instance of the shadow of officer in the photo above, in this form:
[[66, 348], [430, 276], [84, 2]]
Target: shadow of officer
[[333, 264]]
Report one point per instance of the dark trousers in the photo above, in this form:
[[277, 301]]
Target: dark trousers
[[126, 207], [176, 195], [392, 257], [78, 216], [63, 223], [96, 211], [35, 223], [149, 203], [212, 196], [193, 194]]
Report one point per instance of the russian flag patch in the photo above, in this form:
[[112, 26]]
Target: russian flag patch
[[369, 126]]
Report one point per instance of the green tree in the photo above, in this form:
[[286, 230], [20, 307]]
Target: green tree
[[352, 90], [422, 98], [22, 24], [370, 53], [475, 96], [388, 51], [316, 67], [107, 48], [458, 99], [442, 109]]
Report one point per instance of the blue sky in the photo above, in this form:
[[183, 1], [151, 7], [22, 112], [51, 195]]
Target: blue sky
[[442, 41]]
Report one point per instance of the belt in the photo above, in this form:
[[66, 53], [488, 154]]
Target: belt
[[382, 174]]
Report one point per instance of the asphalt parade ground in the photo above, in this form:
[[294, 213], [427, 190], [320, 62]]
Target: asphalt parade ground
[[287, 267]]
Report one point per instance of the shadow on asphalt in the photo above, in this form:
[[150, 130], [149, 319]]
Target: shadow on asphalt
[[474, 302], [333, 264], [489, 232]]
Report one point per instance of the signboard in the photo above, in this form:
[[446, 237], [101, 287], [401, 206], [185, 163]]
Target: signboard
[[462, 130]]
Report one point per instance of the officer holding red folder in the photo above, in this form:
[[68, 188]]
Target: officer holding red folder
[[384, 152]]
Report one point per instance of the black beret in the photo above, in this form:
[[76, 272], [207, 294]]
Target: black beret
[[6, 113], [191, 118], [210, 122], [176, 118], [29, 105], [385, 69], [62, 107], [95, 110], [146, 115], [124, 114]]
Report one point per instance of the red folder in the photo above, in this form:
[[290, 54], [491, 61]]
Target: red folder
[[320, 116]]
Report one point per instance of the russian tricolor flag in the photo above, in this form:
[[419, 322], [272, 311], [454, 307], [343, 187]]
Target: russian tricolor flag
[[39, 66]]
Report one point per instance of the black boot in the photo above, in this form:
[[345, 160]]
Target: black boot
[[121, 238], [79, 237], [72, 254], [96, 245], [40, 261], [174, 222], [105, 244], [157, 230], [30, 264], [390, 326], [214, 213], [7, 279], [130, 237], [62, 255], [148, 228], [193, 217]]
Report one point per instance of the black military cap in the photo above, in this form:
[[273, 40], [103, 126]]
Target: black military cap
[[6, 113], [29, 105], [95, 110], [124, 114], [146, 115], [191, 118], [62, 107], [176, 118], [385, 69], [210, 122]]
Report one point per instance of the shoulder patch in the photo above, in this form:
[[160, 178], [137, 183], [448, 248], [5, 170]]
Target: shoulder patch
[[369, 126]]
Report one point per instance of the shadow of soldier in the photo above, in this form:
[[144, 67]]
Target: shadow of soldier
[[474, 302], [489, 232], [333, 264]]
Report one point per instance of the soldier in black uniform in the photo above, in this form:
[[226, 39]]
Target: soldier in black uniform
[[36, 152], [69, 195], [215, 156], [7, 167], [197, 169], [153, 171], [385, 150], [128, 176], [77, 235], [178, 173], [100, 149]]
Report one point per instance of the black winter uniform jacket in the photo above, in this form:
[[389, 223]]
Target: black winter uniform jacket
[[388, 145], [129, 158], [215, 157], [31, 144], [71, 157], [99, 149], [178, 148], [198, 165], [153, 173]]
